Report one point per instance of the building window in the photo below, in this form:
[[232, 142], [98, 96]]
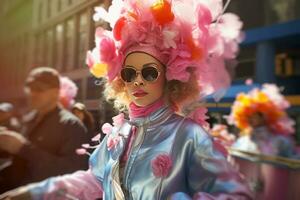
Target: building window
[[245, 9], [64, 4], [49, 48], [93, 90], [69, 44], [48, 5], [59, 5], [78, 83], [82, 40], [246, 64], [281, 10], [40, 11], [39, 49], [54, 7], [59, 45], [287, 64]]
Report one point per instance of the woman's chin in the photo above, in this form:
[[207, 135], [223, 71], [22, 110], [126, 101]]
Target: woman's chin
[[142, 102]]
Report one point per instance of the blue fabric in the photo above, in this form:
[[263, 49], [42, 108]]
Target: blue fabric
[[196, 166]]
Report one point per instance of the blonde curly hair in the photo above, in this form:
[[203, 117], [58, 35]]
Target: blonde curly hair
[[177, 93]]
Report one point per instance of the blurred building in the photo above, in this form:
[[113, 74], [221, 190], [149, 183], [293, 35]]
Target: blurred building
[[55, 33], [63, 32], [270, 52], [16, 18]]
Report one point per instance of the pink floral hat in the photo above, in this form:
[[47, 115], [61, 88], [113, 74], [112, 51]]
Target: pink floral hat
[[190, 35]]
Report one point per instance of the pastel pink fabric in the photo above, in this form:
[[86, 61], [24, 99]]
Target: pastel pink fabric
[[129, 144], [81, 185], [112, 141], [200, 117], [118, 120], [107, 128], [136, 111]]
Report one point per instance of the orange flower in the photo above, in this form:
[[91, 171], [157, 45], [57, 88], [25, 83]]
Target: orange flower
[[195, 51], [118, 28], [161, 10]]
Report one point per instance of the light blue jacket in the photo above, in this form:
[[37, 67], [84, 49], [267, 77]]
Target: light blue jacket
[[195, 167]]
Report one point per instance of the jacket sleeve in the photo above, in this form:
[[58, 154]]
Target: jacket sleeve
[[209, 175], [83, 185], [79, 185], [65, 160]]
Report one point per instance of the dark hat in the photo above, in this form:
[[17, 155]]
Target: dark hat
[[42, 78], [6, 107]]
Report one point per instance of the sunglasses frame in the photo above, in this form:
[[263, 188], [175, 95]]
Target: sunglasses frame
[[137, 72]]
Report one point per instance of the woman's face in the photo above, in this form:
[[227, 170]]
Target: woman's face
[[256, 120], [142, 89]]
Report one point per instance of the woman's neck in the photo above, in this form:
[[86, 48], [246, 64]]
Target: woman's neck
[[136, 111]]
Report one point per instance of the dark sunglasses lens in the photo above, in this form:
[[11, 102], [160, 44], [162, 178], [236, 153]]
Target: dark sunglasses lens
[[128, 74], [150, 73]]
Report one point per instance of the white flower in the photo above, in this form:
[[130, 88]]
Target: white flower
[[169, 36]]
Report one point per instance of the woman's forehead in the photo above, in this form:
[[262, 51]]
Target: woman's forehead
[[138, 59]]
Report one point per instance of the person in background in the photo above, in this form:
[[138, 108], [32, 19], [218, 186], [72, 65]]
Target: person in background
[[48, 141], [10, 122], [8, 118], [80, 111], [265, 125]]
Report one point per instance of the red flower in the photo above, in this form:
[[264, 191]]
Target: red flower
[[161, 165]]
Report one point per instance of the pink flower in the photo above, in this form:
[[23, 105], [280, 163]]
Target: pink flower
[[106, 44], [90, 60], [230, 26], [107, 128], [204, 15], [112, 141], [96, 138], [67, 92], [161, 165], [81, 151], [199, 116], [249, 81], [86, 146], [118, 120], [178, 64]]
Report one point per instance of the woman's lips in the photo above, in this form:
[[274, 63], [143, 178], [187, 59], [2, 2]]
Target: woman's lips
[[139, 93]]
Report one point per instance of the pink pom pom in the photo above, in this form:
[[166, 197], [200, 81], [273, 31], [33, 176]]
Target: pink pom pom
[[86, 146], [118, 120], [161, 165], [81, 151], [96, 138], [107, 128]]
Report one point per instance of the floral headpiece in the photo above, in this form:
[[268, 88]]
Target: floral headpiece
[[267, 101], [190, 35], [67, 92]]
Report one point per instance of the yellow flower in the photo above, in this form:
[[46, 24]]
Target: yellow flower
[[99, 70]]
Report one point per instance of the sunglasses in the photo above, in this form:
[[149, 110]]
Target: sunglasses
[[149, 73]]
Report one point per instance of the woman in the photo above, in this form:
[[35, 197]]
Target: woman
[[161, 56], [265, 125]]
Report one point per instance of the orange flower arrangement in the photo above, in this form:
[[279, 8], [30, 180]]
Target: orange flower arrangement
[[267, 101]]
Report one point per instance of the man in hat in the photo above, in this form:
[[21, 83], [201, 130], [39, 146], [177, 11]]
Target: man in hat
[[48, 143]]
